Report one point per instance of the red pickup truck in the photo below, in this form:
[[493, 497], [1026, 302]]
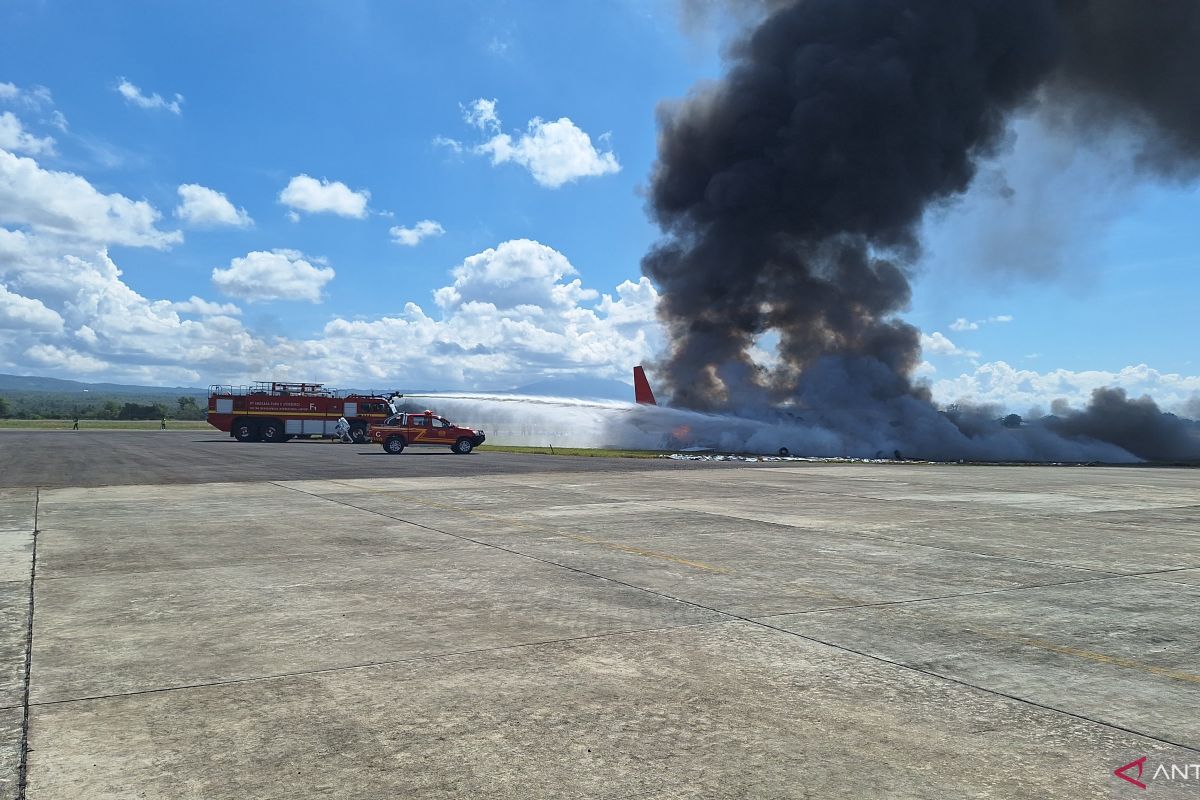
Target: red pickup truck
[[402, 430]]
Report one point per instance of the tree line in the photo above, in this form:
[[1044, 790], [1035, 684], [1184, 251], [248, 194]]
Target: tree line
[[50, 405]]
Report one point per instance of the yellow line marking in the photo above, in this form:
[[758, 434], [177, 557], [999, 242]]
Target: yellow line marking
[[638, 551]]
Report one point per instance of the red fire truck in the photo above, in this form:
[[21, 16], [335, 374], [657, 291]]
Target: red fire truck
[[270, 411]]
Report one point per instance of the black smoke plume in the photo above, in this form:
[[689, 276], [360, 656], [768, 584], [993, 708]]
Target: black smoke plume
[[790, 191], [1136, 425]]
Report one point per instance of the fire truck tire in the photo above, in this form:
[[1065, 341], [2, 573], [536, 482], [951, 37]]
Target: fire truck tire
[[272, 431], [463, 446], [358, 434], [394, 445], [245, 430]]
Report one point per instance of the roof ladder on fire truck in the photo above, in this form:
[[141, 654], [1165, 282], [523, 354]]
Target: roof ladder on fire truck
[[283, 388]]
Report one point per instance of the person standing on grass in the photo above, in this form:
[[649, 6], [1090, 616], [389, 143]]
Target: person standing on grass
[[75, 427], [163, 425]]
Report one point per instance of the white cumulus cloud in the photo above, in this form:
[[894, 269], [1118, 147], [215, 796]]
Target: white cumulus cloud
[[517, 274], [274, 275], [505, 316], [64, 204], [64, 358], [305, 193], [554, 152], [411, 237], [154, 101], [18, 313], [205, 207], [201, 307], [481, 113], [938, 344], [509, 314], [999, 383], [15, 138]]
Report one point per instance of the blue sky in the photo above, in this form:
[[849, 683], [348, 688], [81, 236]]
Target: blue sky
[[369, 112]]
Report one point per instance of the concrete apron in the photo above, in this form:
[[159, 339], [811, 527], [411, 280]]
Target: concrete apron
[[819, 633]]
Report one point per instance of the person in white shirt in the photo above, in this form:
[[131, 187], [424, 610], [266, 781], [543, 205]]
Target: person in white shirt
[[342, 430]]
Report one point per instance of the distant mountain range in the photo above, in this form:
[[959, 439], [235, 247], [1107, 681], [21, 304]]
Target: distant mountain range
[[592, 388], [32, 383]]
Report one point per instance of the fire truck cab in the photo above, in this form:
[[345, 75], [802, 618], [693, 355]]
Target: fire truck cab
[[271, 411], [426, 428]]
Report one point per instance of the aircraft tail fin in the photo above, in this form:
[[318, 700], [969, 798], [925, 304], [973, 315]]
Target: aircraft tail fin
[[641, 388]]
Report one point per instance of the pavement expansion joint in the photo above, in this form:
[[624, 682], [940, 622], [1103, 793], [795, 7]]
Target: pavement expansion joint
[[931, 599], [986, 690], [431, 657], [23, 765], [757, 622], [1026, 587], [1154, 572], [514, 551]]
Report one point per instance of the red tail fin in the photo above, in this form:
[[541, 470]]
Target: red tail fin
[[641, 388]]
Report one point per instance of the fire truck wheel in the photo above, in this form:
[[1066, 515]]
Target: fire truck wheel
[[245, 430], [358, 434], [394, 445], [272, 431], [463, 446]]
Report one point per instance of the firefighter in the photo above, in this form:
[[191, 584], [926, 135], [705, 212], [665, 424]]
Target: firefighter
[[342, 429]]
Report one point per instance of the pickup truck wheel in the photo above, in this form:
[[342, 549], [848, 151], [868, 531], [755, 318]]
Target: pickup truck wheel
[[272, 431], [463, 446], [358, 434], [245, 430], [394, 445]]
